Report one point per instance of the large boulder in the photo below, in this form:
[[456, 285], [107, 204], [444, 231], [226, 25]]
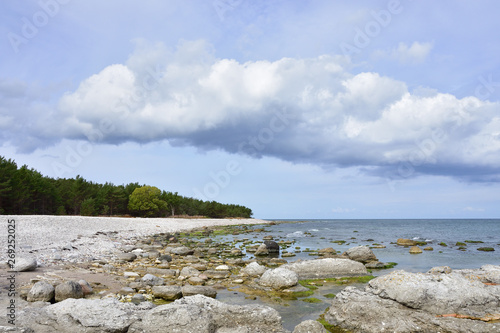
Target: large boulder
[[168, 293], [279, 278], [327, 268], [41, 291], [200, 314], [438, 294], [69, 289], [253, 269], [361, 311], [80, 315], [360, 253], [272, 246]]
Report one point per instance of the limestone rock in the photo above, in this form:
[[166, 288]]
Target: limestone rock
[[279, 278], [25, 264], [189, 290], [169, 293], [69, 289], [152, 280], [182, 251], [310, 326], [327, 268], [440, 270], [406, 242], [42, 291], [262, 250], [415, 250], [129, 256], [360, 253], [253, 269], [189, 272]]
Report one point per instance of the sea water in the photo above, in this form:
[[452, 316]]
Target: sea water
[[440, 234]]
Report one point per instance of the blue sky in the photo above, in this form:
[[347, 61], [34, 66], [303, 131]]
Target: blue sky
[[296, 109]]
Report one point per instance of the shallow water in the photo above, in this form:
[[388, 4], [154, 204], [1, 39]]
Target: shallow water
[[318, 234]]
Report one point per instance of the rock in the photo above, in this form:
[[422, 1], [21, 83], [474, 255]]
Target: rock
[[189, 290], [236, 253], [200, 267], [213, 274], [327, 268], [362, 311], [439, 270], [138, 298], [163, 271], [272, 246], [375, 265], [152, 280], [360, 253], [406, 242], [69, 289], [222, 268], [24, 264], [487, 274], [80, 315], [310, 326], [130, 274], [182, 251], [267, 237], [428, 248], [328, 250], [42, 291], [189, 272], [196, 281], [199, 314], [165, 257], [86, 288], [415, 250], [128, 257], [438, 294], [262, 250], [279, 278], [126, 291], [253, 269], [153, 254], [168, 293], [486, 249]]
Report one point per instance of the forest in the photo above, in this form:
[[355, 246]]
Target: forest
[[25, 191]]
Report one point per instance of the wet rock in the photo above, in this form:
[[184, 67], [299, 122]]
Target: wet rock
[[189, 290], [415, 250], [24, 264], [310, 326], [152, 280], [272, 246], [42, 291], [253, 269], [69, 289], [128, 257], [327, 268], [279, 278], [205, 315], [406, 242], [168, 293], [360, 253]]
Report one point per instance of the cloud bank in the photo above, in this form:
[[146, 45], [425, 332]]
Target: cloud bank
[[312, 110]]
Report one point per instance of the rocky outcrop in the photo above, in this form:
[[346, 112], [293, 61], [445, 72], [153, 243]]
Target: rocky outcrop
[[310, 326], [360, 253], [279, 278], [440, 300], [199, 314], [327, 268]]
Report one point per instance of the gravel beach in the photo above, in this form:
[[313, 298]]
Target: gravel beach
[[48, 236]]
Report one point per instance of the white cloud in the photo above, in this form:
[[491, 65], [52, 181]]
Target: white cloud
[[416, 53], [301, 110]]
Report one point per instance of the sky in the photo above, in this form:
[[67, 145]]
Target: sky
[[298, 109]]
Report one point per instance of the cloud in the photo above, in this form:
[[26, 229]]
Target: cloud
[[405, 54], [301, 110]]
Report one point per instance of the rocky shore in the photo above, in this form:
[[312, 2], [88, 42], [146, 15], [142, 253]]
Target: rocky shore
[[169, 282]]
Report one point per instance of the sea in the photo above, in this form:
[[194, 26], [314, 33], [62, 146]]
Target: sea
[[440, 234]]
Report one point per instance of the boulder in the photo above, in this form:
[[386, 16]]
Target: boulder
[[189, 272], [41, 291], [362, 311], [327, 250], [69, 289], [310, 326], [406, 242], [182, 251], [272, 246], [279, 278], [327, 268], [262, 250], [86, 288], [152, 280], [199, 314], [375, 265], [360, 253], [128, 257], [24, 264], [438, 294], [189, 290], [253, 269], [415, 250]]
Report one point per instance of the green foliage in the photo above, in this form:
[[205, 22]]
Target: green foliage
[[26, 191], [146, 201]]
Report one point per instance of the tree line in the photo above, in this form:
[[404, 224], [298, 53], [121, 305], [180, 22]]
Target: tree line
[[25, 191]]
